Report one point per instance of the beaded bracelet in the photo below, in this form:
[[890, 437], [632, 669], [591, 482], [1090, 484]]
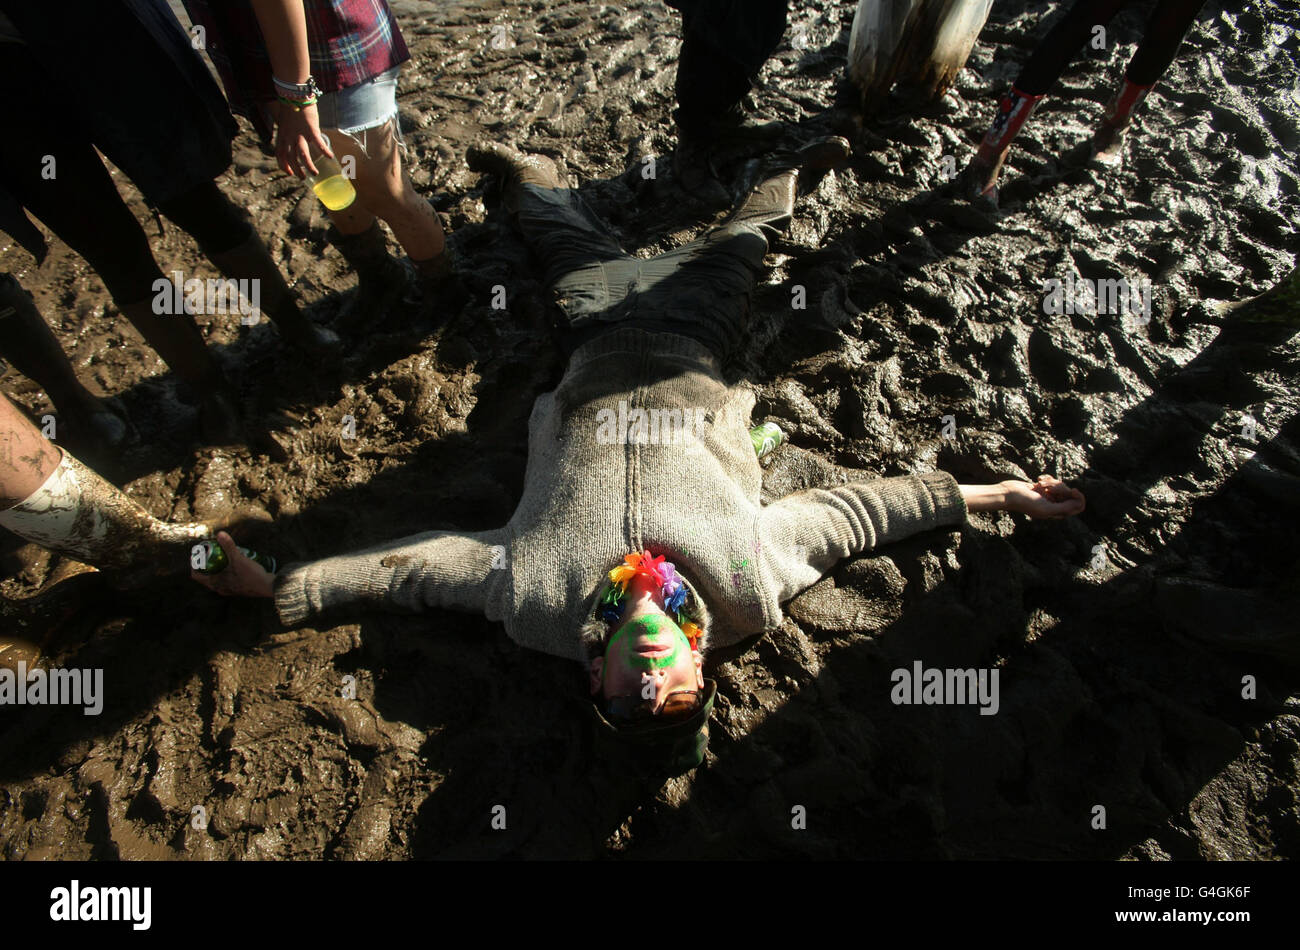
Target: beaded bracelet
[[297, 105]]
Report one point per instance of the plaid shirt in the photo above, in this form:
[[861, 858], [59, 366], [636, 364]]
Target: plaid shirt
[[348, 42]]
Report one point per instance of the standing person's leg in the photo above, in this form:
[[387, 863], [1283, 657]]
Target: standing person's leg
[[33, 155], [364, 131], [384, 190], [51, 499], [29, 345], [80, 204], [1164, 34], [385, 193], [228, 240], [724, 46], [1049, 59]]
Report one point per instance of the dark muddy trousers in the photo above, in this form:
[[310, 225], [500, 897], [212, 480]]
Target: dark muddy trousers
[[699, 290], [724, 45], [1169, 23], [49, 165]]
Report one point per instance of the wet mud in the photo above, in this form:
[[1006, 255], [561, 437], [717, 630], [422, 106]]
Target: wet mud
[[1148, 652]]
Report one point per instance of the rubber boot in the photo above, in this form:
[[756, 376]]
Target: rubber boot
[[177, 339], [704, 147], [770, 203], [27, 343], [252, 261], [980, 177], [384, 284], [514, 169], [78, 514], [1108, 141]]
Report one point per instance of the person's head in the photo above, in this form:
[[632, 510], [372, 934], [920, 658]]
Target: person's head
[[648, 667], [645, 657]]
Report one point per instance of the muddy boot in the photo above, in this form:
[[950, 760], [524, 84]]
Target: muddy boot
[[739, 128], [697, 174], [27, 343], [771, 201], [177, 339], [1108, 140], [252, 261], [78, 514], [442, 293], [383, 283], [811, 160], [704, 147], [979, 180], [514, 169]]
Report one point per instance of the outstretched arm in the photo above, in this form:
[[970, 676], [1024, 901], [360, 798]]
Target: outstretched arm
[[1048, 497], [806, 533], [433, 569]]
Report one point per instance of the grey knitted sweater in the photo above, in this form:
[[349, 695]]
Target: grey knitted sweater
[[604, 480]]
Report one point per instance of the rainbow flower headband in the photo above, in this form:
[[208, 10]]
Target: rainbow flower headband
[[671, 585]]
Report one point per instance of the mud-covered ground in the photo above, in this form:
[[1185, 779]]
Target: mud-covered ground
[[1122, 637]]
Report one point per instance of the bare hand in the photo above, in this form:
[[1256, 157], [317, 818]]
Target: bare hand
[[297, 135], [1049, 497], [242, 576]]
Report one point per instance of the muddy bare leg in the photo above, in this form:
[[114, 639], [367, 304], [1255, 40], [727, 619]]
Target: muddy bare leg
[[51, 499]]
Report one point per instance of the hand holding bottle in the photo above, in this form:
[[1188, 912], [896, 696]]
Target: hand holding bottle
[[242, 576]]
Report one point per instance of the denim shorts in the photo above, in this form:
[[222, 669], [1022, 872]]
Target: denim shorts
[[360, 107]]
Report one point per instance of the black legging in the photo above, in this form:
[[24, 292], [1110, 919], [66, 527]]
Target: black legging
[[724, 45], [80, 204], [1169, 23]]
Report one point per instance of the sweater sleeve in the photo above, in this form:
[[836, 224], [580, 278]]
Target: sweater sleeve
[[433, 569], [806, 533]]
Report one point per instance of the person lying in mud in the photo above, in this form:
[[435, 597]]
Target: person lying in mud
[[623, 552]]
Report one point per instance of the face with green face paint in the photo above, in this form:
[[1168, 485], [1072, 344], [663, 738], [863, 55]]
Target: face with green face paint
[[648, 657]]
